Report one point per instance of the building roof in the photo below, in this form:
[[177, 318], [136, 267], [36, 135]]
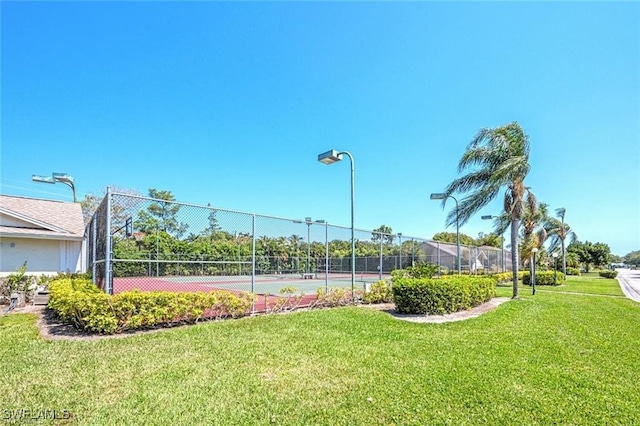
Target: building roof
[[37, 218]]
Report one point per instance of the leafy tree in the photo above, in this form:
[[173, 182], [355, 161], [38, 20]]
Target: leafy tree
[[496, 159], [214, 226], [616, 259], [558, 232], [162, 214], [491, 239], [590, 254], [533, 220], [451, 237], [632, 258], [387, 239]]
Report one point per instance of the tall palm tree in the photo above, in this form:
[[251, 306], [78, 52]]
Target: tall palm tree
[[558, 231], [534, 221], [498, 158]]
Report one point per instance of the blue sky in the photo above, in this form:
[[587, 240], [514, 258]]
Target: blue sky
[[230, 104]]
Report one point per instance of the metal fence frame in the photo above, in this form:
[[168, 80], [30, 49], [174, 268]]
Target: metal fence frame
[[106, 222]]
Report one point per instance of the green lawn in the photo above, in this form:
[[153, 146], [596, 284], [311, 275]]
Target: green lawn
[[555, 358], [590, 283]]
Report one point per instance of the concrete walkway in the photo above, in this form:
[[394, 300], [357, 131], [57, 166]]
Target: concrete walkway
[[630, 283]]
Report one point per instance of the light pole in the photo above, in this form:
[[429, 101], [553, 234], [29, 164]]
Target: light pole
[[489, 217], [555, 268], [57, 177], [331, 157], [441, 196], [533, 271]]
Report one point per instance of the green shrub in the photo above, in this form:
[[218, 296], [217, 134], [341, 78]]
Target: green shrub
[[544, 278], [573, 271], [334, 296], [441, 296], [287, 301], [505, 277], [18, 281], [608, 274], [79, 302], [379, 292]]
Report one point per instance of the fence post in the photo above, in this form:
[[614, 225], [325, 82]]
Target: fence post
[[380, 265], [253, 260], [438, 254], [400, 252], [326, 257], [108, 272], [413, 252], [94, 249]]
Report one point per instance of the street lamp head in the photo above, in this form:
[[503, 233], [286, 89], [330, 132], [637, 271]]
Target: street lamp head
[[534, 250], [320, 221], [43, 179], [57, 177], [488, 217], [330, 157], [438, 196], [63, 177], [555, 255]]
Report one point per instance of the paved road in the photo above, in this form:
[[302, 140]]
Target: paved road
[[630, 283]]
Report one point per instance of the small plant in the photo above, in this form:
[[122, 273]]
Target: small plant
[[608, 274], [573, 271], [380, 292], [17, 281], [288, 300], [334, 296]]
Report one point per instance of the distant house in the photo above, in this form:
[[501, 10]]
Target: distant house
[[48, 235], [474, 259]]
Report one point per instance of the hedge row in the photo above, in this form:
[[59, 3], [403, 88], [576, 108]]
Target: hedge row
[[80, 303], [505, 277], [608, 274], [544, 278], [442, 295]]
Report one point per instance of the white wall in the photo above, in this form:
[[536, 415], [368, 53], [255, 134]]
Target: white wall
[[12, 221], [42, 256]]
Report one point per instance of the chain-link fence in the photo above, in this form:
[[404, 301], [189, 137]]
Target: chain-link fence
[[148, 244]]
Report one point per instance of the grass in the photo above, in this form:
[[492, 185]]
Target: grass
[[589, 283], [556, 358]]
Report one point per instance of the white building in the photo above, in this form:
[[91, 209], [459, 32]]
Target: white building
[[48, 235]]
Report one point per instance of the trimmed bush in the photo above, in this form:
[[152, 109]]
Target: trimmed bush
[[79, 302], [441, 296], [544, 278], [608, 274], [505, 277], [380, 292], [573, 271], [335, 296]]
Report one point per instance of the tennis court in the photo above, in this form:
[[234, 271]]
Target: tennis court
[[266, 287], [260, 284]]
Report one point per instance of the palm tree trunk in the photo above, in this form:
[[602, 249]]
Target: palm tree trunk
[[515, 224], [564, 260]]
